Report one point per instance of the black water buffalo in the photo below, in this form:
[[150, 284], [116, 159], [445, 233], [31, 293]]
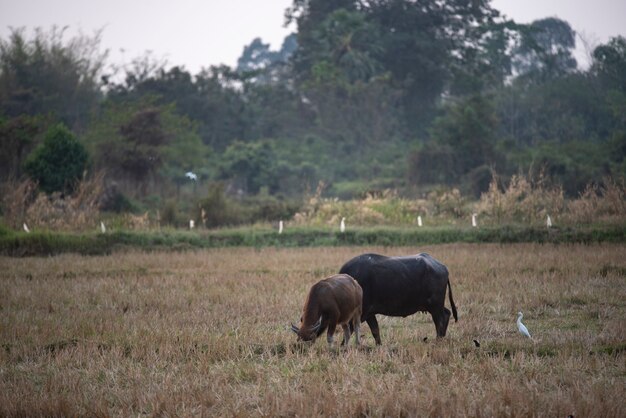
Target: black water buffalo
[[401, 286]]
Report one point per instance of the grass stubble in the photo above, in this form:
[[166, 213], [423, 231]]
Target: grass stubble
[[206, 333]]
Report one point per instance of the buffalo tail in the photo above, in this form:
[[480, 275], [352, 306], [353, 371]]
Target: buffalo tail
[[456, 318]]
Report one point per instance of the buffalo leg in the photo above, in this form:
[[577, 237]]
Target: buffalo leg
[[373, 323], [441, 320]]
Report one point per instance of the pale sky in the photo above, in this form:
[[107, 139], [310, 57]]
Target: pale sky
[[199, 33]]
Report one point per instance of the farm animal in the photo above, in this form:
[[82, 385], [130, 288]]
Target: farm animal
[[521, 327], [333, 301], [401, 286]]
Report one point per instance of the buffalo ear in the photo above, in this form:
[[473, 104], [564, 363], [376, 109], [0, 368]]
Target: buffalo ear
[[295, 328]]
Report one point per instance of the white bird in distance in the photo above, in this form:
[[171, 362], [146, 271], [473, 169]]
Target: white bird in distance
[[521, 327], [342, 225], [191, 176]]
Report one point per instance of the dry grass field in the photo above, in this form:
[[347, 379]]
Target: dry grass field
[[206, 333]]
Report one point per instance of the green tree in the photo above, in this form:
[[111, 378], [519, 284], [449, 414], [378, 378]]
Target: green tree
[[424, 43], [545, 50], [18, 137], [143, 136], [344, 48], [140, 144], [462, 144], [609, 63], [59, 162], [250, 166], [609, 68], [486, 63], [49, 75], [210, 99], [260, 65]]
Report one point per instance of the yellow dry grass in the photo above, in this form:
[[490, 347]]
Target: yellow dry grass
[[206, 333]]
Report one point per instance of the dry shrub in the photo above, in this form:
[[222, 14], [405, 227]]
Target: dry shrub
[[605, 203], [523, 200], [79, 211], [17, 197], [448, 203], [375, 209], [137, 222]]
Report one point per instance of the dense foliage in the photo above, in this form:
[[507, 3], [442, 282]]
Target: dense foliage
[[365, 96], [59, 162]]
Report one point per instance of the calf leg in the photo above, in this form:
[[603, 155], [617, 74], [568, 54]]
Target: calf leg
[[332, 325], [346, 334], [357, 331]]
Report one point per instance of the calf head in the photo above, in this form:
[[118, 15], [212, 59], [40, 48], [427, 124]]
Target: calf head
[[305, 333]]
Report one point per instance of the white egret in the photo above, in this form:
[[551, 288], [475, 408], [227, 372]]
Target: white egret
[[26, 227], [191, 176], [342, 225], [280, 227], [419, 220], [192, 224], [102, 227], [474, 224], [522, 328], [549, 222]]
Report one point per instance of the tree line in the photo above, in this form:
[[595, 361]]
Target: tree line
[[365, 95]]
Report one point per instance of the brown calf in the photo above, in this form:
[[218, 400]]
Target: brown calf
[[331, 302]]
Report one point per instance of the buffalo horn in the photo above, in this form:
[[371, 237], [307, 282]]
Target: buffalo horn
[[294, 328], [317, 325]]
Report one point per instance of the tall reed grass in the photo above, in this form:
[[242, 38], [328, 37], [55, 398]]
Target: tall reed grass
[[521, 201]]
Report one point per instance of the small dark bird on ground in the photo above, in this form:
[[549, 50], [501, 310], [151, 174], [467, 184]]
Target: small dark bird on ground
[[476, 343], [424, 339]]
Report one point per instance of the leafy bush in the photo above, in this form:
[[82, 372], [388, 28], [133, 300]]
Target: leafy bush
[[169, 215], [4, 231], [217, 209], [59, 162], [113, 200]]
